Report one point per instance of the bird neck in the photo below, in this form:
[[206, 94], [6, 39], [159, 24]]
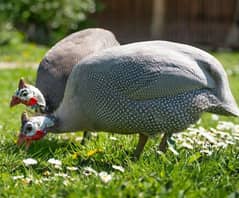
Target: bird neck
[[41, 102], [50, 123]]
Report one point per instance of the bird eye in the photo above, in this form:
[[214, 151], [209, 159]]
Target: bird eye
[[29, 128], [24, 94]]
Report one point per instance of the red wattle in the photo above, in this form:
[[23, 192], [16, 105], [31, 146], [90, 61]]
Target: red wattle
[[39, 134], [32, 101], [28, 140]]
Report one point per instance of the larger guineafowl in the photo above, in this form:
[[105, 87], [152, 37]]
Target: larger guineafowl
[[146, 88]]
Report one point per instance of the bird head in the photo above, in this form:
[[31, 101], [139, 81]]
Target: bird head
[[28, 95], [33, 128]]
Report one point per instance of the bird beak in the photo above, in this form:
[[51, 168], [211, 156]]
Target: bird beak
[[22, 139], [15, 101], [28, 140]]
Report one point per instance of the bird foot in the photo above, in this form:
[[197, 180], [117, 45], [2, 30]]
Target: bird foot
[[86, 137], [140, 147], [164, 142]]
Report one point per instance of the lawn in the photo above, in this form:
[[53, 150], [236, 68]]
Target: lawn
[[22, 53], [198, 164]]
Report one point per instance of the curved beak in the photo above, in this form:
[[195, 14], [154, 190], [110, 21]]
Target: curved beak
[[22, 139], [15, 101]]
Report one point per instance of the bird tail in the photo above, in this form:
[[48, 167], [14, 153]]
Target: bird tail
[[228, 102], [232, 110], [225, 110]]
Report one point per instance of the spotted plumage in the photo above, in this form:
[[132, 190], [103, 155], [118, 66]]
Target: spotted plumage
[[147, 88], [154, 116]]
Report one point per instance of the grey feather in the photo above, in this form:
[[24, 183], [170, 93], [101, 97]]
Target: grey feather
[[168, 75], [147, 87], [57, 64]]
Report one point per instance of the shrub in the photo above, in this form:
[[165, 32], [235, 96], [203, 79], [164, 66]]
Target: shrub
[[45, 20]]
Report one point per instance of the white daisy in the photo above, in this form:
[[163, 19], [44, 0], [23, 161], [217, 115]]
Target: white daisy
[[215, 117], [119, 168], [72, 168], [61, 175], [29, 161], [89, 171], [54, 162], [78, 139], [113, 138], [18, 177], [105, 177]]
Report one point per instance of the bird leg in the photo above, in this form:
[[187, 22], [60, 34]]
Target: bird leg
[[86, 137], [163, 144], [140, 147]]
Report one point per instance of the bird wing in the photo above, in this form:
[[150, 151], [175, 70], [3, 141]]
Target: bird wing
[[57, 65], [167, 74]]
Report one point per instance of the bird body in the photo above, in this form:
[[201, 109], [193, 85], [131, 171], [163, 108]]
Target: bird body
[[56, 66], [147, 88]]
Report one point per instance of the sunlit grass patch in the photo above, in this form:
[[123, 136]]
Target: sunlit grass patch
[[22, 52]]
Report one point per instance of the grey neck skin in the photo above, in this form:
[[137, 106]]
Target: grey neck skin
[[53, 128]]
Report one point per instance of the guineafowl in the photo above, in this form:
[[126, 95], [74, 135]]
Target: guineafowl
[[56, 67], [146, 88]]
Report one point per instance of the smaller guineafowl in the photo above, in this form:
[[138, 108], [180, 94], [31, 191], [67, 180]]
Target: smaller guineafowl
[[145, 88], [56, 66]]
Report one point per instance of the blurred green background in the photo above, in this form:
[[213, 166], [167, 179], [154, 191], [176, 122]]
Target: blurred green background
[[43, 21]]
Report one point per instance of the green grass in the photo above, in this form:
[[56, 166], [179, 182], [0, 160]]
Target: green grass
[[188, 174], [22, 52]]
